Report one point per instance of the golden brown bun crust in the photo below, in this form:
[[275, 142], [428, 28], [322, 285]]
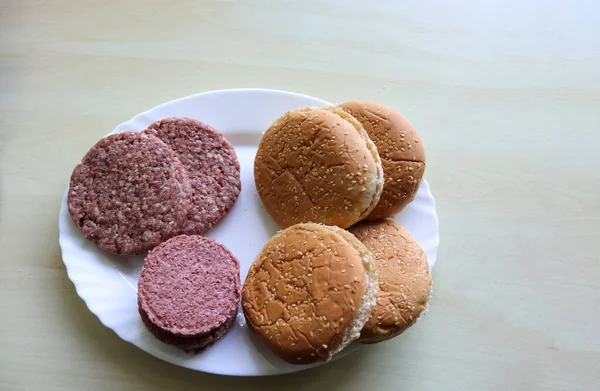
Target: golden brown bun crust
[[372, 149], [404, 279], [302, 292], [314, 166], [401, 152]]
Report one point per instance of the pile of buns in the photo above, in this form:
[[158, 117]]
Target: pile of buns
[[340, 270]]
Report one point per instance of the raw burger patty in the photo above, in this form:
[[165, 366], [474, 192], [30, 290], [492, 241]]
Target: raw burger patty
[[188, 291], [129, 193], [212, 166], [189, 344]]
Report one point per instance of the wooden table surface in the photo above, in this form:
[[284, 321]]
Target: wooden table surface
[[506, 96]]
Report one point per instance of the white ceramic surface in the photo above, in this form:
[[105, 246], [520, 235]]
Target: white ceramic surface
[[108, 284]]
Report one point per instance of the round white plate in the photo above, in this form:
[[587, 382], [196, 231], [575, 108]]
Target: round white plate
[[108, 284]]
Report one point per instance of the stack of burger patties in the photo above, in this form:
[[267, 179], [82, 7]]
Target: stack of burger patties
[[340, 270]]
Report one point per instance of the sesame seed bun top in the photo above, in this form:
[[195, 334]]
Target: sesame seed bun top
[[401, 151], [309, 292], [404, 279], [313, 165]]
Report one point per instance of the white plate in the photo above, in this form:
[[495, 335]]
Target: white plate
[[108, 284]]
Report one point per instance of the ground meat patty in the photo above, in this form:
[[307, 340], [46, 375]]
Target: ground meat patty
[[212, 166], [189, 344], [129, 193], [188, 291]]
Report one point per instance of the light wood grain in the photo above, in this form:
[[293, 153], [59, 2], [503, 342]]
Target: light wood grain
[[506, 96]]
